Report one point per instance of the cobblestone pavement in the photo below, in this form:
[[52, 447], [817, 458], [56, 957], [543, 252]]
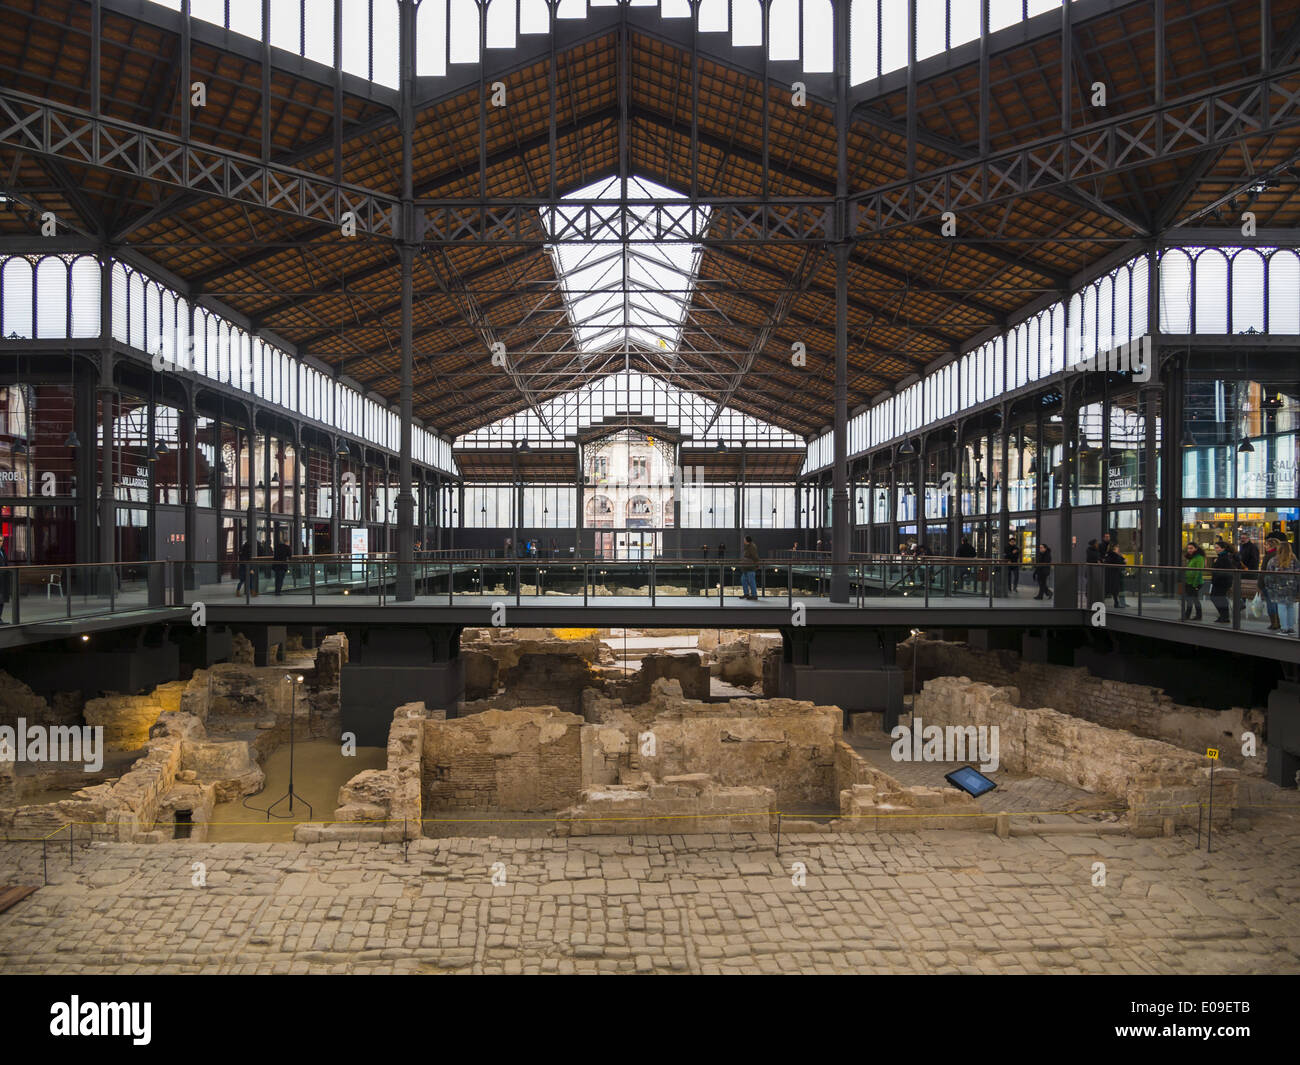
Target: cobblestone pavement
[[916, 903]]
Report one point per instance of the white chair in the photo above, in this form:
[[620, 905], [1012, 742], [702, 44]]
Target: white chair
[[54, 580]]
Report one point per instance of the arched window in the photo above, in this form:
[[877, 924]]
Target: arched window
[[1123, 321], [169, 327], [464, 31], [1139, 291], [1211, 292], [1284, 293], [1248, 292], [600, 512], [86, 282], [17, 297], [153, 318], [1056, 339], [121, 315], [52, 298], [818, 37], [783, 29], [1089, 336], [135, 315], [1073, 331], [1107, 333], [318, 29], [1175, 291]]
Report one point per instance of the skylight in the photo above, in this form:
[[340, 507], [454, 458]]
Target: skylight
[[631, 293]]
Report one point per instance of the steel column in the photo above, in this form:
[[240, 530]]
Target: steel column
[[839, 585], [406, 253], [192, 489], [107, 397]]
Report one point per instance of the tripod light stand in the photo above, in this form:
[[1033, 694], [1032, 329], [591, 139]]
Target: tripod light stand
[[294, 682]]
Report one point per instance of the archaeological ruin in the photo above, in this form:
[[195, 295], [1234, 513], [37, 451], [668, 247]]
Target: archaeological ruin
[[625, 732]]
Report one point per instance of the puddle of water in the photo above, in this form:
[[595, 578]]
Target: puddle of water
[[319, 770]]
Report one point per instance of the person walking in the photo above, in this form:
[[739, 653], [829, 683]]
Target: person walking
[[965, 550], [1282, 576], [1092, 579], [749, 574], [1114, 575], [1011, 556], [1248, 556], [1042, 571], [247, 568], [1270, 550], [1193, 578], [1224, 564], [281, 565]]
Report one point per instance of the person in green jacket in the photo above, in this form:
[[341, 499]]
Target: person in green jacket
[[1193, 578]]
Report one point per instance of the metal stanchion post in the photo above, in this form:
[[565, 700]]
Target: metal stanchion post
[[778, 833], [1209, 826]]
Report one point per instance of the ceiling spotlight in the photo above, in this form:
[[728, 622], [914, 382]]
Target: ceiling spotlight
[[1245, 448], [906, 448], [72, 440]]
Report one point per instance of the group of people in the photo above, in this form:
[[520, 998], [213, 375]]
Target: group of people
[[1275, 576], [249, 552], [530, 549], [748, 569]]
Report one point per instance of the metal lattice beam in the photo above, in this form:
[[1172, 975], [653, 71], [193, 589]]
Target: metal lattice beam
[[57, 131], [1215, 118]]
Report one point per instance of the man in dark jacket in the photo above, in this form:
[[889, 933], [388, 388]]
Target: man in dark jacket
[[1221, 580], [281, 566], [965, 550], [749, 573], [1011, 556], [1043, 571], [247, 569], [1115, 563], [1249, 555]]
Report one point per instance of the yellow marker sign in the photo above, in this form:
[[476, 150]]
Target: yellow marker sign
[[1212, 752]]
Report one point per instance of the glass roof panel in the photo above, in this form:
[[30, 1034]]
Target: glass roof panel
[[630, 291]]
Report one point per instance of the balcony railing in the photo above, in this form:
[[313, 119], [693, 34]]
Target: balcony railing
[[34, 595]]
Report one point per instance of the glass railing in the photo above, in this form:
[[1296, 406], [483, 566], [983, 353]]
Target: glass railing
[[1232, 600], [32, 595]]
